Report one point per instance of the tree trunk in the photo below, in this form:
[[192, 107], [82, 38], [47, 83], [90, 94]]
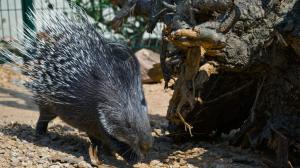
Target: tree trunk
[[235, 66]]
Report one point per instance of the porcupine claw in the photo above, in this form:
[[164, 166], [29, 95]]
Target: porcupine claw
[[93, 153]]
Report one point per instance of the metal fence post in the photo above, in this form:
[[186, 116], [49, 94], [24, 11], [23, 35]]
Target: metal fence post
[[29, 25], [27, 5]]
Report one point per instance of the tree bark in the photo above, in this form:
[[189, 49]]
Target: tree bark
[[235, 66]]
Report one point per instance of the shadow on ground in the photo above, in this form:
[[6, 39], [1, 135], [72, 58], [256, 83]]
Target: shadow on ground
[[14, 97], [199, 154], [66, 139]]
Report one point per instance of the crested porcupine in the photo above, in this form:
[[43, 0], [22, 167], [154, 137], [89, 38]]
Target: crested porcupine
[[90, 82]]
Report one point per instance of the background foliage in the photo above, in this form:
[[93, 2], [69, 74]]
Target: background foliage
[[132, 30]]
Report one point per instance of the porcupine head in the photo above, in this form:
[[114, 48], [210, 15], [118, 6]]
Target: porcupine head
[[72, 65]]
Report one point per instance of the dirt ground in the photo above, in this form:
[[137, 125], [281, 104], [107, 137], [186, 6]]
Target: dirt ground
[[65, 146]]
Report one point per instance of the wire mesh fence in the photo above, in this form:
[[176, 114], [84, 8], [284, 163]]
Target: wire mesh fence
[[10, 18], [12, 22]]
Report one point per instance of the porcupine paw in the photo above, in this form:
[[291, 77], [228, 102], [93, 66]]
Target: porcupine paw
[[41, 128]]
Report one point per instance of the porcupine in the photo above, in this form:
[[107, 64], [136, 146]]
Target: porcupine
[[90, 82]]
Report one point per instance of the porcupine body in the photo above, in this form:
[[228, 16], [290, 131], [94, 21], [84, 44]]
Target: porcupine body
[[90, 82]]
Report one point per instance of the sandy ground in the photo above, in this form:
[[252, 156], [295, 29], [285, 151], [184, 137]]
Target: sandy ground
[[65, 146]]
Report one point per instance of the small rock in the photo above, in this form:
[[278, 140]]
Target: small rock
[[149, 66], [68, 159], [157, 132], [167, 160], [176, 165], [140, 165], [14, 160], [154, 162], [182, 162], [178, 152], [41, 161], [72, 160], [83, 164], [39, 166], [67, 165], [30, 154], [54, 166]]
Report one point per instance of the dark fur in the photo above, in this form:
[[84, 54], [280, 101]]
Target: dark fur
[[90, 82]]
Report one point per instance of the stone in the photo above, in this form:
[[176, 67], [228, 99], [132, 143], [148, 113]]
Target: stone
[[83, 164], [149, 66], [54, 166], [154, 162]]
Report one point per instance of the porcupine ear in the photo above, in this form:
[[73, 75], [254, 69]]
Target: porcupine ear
[[112, 124], [109, 114]]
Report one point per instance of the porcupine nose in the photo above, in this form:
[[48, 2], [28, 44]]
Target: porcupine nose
[[145, 147], [146, 144]]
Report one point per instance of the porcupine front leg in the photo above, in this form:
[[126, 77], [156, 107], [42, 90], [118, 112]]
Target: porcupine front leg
[[94, 150], [45, 117]]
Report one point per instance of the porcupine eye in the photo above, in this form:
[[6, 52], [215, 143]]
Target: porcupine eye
[[95, 76], [128, 126], [143, 102]]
